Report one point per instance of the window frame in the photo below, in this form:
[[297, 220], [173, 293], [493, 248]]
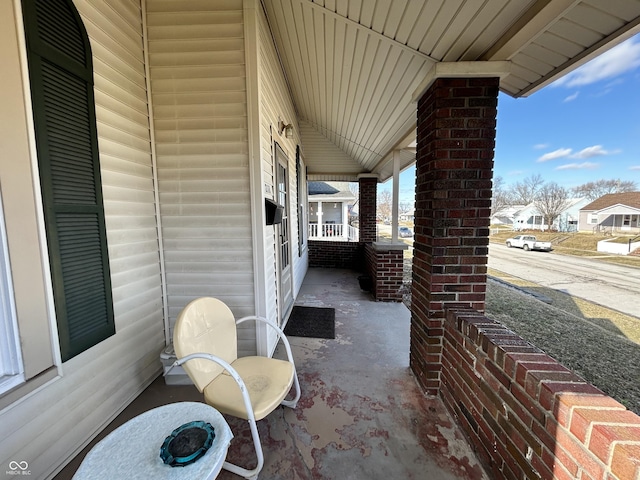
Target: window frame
[[11, 362]]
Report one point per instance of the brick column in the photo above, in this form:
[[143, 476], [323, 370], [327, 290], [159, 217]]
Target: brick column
[[454, 162], [368, 188], [385, 266]]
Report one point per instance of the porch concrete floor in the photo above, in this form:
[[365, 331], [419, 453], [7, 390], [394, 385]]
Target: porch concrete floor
[[361, 414]]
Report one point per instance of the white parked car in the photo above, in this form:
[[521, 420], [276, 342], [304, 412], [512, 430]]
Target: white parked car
[[528, 242]]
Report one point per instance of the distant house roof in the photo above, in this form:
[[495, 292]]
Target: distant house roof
[[321, 188], [532, 209], [509, 211], [332, 191], [630, 199]]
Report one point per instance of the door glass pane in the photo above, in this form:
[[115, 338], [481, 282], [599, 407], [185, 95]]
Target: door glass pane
[[284, 225]]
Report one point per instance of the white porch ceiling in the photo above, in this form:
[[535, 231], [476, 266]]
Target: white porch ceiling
[[354, 66]]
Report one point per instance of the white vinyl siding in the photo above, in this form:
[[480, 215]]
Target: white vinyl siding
[[198, 89], [342, 166], [127, 178], [276, 105], [98, 383]]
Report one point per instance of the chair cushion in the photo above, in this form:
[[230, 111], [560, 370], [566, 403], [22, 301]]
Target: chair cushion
[[268, 381]]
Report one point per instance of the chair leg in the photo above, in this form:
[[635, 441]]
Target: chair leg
[[294, 402], [253, 474], [243, 472]]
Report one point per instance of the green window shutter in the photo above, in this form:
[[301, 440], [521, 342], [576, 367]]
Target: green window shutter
[[61, 76]]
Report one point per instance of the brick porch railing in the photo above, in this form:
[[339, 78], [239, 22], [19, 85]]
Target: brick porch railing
[[336, 254], [382, 263], [527, 415], [385, 266]]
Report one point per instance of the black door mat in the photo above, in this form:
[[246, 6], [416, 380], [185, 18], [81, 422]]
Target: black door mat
[[315, 322]]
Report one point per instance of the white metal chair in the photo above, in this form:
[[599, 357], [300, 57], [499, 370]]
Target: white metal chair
[[205, 341]]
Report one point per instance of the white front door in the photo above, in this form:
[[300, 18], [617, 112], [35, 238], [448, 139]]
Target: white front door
[[283, 232]]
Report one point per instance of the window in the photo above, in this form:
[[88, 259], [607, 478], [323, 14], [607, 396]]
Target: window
[[593, 218], [11, 369], [61, 78]]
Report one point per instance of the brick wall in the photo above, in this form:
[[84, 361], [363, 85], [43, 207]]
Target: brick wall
[[454, 162], [527, 415], [385, 267], [330, 254], [368, 197]]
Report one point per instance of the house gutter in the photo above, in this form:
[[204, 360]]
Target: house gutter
[[154, 169]]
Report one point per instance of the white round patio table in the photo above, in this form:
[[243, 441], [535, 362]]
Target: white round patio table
[[132, 450]]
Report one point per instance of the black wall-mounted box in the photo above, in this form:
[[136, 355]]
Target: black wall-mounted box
[[273, 212]]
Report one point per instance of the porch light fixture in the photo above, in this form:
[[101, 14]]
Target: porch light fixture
[[286, 128]]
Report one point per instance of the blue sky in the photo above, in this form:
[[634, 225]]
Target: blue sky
[[583, 127]]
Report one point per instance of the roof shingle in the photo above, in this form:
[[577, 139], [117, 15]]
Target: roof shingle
[[630, 199]]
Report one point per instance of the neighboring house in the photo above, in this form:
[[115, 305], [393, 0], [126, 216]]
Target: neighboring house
[[407, 216], [529, 218], [612, 213], [567, 221], [330, 206], [507, 215], [144, 143]]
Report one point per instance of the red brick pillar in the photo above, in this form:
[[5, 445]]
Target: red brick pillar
[[454, 162], [385, 265], [368, 188]]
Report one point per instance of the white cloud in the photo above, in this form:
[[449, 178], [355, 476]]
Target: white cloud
[[614, 83], [589, 152], [578, 166], [634, 167], [570, 98], [540, 146], [620, 59], [560, 153]]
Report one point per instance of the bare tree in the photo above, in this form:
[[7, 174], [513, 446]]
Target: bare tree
[[502, 196], [550, 201], [405, 207], [593, 190], [354, 187], [524, 192], [384, 204]]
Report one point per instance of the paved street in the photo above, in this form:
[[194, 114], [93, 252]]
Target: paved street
[[613, 286]]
